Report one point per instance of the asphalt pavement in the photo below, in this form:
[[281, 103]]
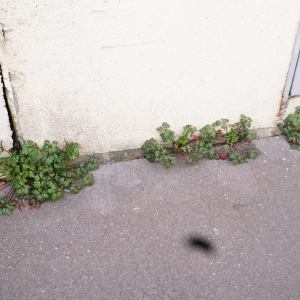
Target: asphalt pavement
[[209, 230]]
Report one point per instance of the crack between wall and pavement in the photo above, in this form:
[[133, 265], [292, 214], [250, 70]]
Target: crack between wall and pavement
[[138, 153]]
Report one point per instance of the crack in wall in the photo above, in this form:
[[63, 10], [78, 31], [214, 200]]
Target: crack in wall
[[282, 108], [3, 32], [9, 95], [11, 122]]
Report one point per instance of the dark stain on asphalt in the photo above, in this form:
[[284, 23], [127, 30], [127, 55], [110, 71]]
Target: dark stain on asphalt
[[197, 242]]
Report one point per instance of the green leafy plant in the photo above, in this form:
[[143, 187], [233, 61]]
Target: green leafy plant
[[41, 174], [6, 207], [291, 128], [216, 141]]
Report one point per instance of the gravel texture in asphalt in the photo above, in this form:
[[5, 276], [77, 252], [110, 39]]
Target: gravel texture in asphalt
[[209, 230]]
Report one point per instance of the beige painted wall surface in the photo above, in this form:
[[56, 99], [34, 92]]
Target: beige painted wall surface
[[107, 73]]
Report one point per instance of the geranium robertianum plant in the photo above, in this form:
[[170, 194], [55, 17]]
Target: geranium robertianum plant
[[291, 128], [216, 141], [41, 174]]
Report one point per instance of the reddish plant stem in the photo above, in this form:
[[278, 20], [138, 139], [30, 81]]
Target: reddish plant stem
[[11, 193]]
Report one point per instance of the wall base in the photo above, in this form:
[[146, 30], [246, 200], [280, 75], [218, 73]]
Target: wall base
[[125, 155]]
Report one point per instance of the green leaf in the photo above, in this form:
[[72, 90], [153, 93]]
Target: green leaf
[[41, 195], [189, 130], [88, 179], [226, 148], [182, 140]]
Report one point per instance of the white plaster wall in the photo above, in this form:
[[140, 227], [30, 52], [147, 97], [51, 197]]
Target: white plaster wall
[[107, 73]]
